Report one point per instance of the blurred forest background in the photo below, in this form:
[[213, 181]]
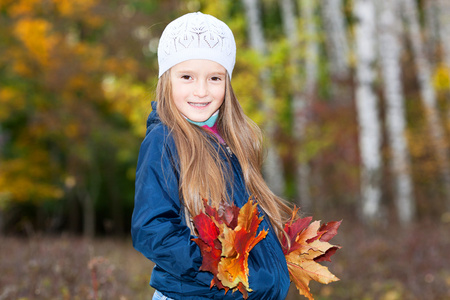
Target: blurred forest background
[[353, 97]]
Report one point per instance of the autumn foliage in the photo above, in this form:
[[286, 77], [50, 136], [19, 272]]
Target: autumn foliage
[[308, 246], [228, 234]]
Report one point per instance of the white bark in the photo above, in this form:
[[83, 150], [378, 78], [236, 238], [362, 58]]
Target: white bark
[[428, 94], [337, 42], [312, 46], [272, 168], [431, 14], [302, 101], [390, 54], [444, 29], [290, 24], [299, 101], [367, 109]]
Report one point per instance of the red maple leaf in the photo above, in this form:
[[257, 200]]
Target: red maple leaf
[[225, 237]]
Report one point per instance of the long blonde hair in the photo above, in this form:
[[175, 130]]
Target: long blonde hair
[[202, 173]]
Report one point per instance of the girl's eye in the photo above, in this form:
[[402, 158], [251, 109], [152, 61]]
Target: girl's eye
[[216, 78], [187, 77]]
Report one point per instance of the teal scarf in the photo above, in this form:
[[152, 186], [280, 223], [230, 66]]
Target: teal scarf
[[210, 122]]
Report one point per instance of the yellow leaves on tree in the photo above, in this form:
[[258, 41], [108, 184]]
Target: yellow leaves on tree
[[71, 7], [308, 246], [65, 8], [226, 237], [441, 78], [36, 36], [80, 9], [129, 99], [29, 179], [56, 57], [43, 28], [22, 7], [11, 100]]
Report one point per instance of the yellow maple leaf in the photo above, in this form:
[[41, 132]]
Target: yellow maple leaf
[[302, 270]]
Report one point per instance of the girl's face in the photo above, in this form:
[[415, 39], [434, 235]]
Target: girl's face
[[198, 88]]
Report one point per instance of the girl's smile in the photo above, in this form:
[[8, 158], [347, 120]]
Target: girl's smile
[[198, 88], [199, 104]]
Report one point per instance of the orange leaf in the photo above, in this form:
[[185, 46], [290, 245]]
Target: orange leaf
[[305, 270], [232, 271], [226, 237]]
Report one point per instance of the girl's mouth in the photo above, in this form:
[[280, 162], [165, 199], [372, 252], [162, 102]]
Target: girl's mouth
[[202, 104]]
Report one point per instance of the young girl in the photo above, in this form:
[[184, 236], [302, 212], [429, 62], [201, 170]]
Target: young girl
[[199, 144]]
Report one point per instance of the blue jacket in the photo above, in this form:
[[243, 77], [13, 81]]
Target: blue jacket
[[160, 233]]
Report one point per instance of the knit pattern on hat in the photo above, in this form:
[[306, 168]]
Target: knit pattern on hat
[[196, 36]]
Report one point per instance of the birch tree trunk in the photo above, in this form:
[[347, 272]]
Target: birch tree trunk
[[299, 101], [308, 8], [444, 29], [88, 194], [272, 168], [337, 42], [302, 102], [428, 94], [290, 27], [88, 216], [367, 110], [431, 15], [390, 54]]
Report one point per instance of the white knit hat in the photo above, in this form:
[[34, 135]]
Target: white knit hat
[[196, 36]]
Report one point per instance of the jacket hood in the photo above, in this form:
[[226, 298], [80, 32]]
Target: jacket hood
[[153, 118]]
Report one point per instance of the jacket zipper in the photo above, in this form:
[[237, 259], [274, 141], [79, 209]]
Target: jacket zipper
[[229, 151]]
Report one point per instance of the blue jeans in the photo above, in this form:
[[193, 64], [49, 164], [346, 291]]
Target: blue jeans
[[159, 296]]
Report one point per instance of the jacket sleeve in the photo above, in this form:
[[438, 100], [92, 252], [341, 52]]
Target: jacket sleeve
[[159, 230]]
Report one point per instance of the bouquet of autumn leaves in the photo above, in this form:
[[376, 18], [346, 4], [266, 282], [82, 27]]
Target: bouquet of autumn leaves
[[227, 235]]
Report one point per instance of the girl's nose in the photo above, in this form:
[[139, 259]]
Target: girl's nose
[[201, 89]]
